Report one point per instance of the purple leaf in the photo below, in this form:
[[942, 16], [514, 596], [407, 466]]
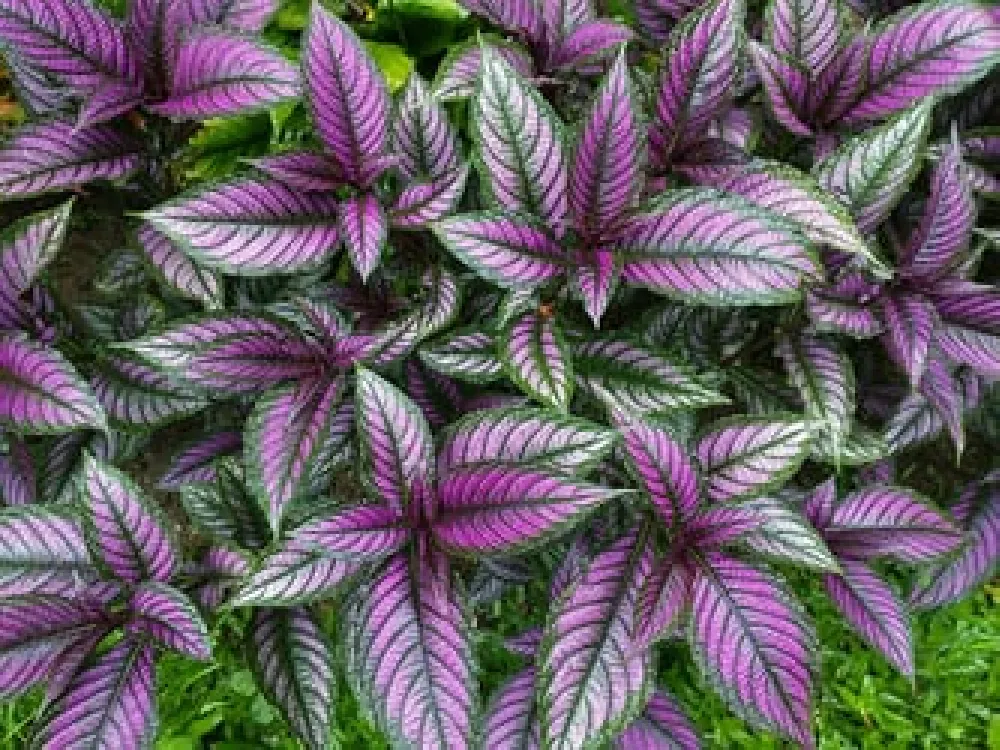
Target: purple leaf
[[744, 457], [916, 419], [409, 655], [512, 251], [701, 246], [871, 171], [751, 636], [26, 247], [786, 85], [664, 468], [537, 359], [459, 72], [872, 608], [17, 474], [41, 392], [606, 168], [349, 100], [662, 726], [109, 101], [783, 534], [591, 681], [819, 503], [51, 156], [170, 618], [134, 394], [251, 227], [109, 704], [284, 435], [807, 32], [519, 146], [295, 575], [43, 551], [943, 392], [518, 17], [588, 43], [467, 354], [889, 522], [364, 226], [526, 643], [437, 309], [596, 280], [196, 462], [834, 89], [37, 91], [923, 51], [423, 137], [293, 662], [130, 533], [218, 73], [701, 71], [246, 15], [512, 717], [663, 600], [303, 170], [438, 396], [969, 332], [845, 307], [180, 273], [226, 511], [910, 320], [561, 443], [499, 509], [361, 533], [425, 202], [723, 524]]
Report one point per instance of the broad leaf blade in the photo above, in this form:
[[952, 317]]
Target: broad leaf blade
[[169, 617], [665, 469], [537, 358]]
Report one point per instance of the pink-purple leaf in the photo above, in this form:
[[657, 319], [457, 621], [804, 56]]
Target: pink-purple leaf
[[517, 17], [786, 86], [18, 484], [512, 716], [295, 575], [109, 101], [179, 272], [808, 32], [196, 461], [662, 726], [362, 533], [459, 72], [537, 358], [784, 534], [365, 229], [26, 247], [43, 551], [663, 601], [135, 394], [910, 320], [589, 43], [467, 354], [224, 510], [426, 202], [170, 618], [423, 137], [664, 468], [845, 308], [303, 170]]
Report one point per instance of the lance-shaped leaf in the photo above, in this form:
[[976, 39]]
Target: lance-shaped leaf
[[196, 462], [499, 509], [41, 392], [365, 228], [426, 202], [408, 652], [510, 251], [423, 136], [18, 485], [561, 443], [845, 309], [596, 279], [859, 447], [872, 608], [871, 171], [458, 72], [823, 374], [702, 246], [251, 227], [223, 508], [396, 445], [55, 155], [910, 320], [970, 328], [349, 100], [169, 617], [751, 637], [26, 248], [700, 72], [743, 457], [297, 574], [75, 41], [519, 145], [441, 301], [178, 270], [284, 435], [664, 467], [516, 17], [43, 551], [591, 681], [787, 192], [246, 15], [363, 533], [808, 32], [130, 533], [951, 580], [37, 91], [218, 73], [663, 600], [512, 716], [293, 662], [304, 170], [589, 42], [943, 392], [468, 354], [537, 358], [890, 522], [109, 704], [606, 169], [919, 52], [784, 534], [662, 726], [134, 394], [638, 380], [786, 85]]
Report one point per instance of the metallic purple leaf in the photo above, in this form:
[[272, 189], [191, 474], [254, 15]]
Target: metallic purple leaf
[[295, 575], [592, 682], [423, 203], [502, 508], [808, 32], [51, 156], [246, 15], [705, 247], [596, 280], [785, 535], [347, 94], [109, 704], [37, 91], [509, 251], [589, 43], [196, 462], [969, 332], [517, 17], [744, 457], [537, 358], [526, 643], [180, 273], [943, 391], [606, 168], [845, 308], [109, 101], [284, 435], [294, 664], [361, 533], [923, 51], [662, 726], [423, 137], [365, 229], [218, 73], [170, 618], [512, 716], [26, 248], [700, 73], [519, 146], [724, 524], [665, 469], [396, 445], [130, 533], [751, 636], [251, 227], [41, 392], [910, 320], [225, 511], [43, 551], [468, 355], [890, 522], [18, 485], [872, 608], [303, 170], [438, 396], [459, 72], [438, 308], [820, 502], [786, 86], [663, 601], [409, 653], [134, 394]]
